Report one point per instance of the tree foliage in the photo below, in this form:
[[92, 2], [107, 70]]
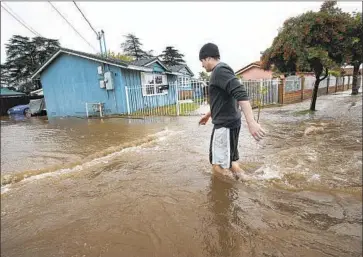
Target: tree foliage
[[313, 41], [120, 56], [5, 78], [204, 76], [354, 49], [133, 47], [23, 57], [172, 56]]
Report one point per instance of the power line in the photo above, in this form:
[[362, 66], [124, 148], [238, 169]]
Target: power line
[[33, 30], [72, 26], [89, 23], [22, 23]]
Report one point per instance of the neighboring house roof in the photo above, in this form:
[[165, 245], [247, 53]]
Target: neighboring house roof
[[174, 69], [106, 60], [148, 61], [7, 92], [249, 66], [144, 61], [37, 92], [178, 68]]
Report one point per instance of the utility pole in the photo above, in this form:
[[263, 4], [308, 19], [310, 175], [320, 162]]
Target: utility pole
[[99, 37], [102, 41]]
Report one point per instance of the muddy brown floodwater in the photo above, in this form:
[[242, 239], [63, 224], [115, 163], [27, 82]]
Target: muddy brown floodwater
[[119, 187]]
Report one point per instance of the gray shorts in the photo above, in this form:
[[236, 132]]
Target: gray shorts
[[223, 148]]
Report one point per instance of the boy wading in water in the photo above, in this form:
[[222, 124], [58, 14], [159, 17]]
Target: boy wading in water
[[226, 95]]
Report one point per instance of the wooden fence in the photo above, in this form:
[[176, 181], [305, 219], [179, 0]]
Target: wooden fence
[[293, 89]]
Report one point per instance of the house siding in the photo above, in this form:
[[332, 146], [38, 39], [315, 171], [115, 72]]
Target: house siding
[[186, 87], [157, 67], [70, 81], [137, 101]]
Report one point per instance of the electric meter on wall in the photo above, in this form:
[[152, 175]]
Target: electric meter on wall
[[100, 70], [109, 80]]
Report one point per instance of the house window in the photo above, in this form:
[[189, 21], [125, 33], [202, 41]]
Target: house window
[[152, 82], [184, 81]]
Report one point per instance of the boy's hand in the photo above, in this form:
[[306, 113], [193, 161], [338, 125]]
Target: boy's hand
[[256, 130], [204, 119]]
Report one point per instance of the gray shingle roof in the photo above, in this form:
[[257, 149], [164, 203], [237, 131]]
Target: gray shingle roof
[[179, 67], [7, 92], [98, 57], [140, 63], [86, 55], [143, 62], [176, 68]]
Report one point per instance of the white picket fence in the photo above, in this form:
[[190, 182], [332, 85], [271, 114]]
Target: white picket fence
[[262, 92], [293, 83], [191, 98], [174, 99]]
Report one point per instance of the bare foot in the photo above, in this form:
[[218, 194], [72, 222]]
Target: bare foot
[[238, 173], [241, 176], [223, 172]]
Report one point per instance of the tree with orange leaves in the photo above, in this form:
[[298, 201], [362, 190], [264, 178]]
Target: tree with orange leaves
[[313, 41]]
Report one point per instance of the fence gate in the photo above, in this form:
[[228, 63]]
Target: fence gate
[[262, 92], [192, 97]]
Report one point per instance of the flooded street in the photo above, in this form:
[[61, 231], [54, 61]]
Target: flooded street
[[118, 187]]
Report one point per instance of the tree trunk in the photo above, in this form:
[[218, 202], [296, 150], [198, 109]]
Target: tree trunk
[[355, 86], [316, 87], [315, 94]]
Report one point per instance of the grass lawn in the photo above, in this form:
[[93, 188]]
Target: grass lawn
[[184, 109]]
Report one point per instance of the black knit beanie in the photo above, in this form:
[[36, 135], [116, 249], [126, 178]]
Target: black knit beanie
[[209, 50]]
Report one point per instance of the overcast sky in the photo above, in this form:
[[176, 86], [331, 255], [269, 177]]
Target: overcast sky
[[240, 29]]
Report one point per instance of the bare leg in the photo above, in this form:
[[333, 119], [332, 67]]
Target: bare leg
[[221, 171], [238, 172]]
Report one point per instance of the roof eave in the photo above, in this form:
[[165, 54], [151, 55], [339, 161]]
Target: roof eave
[[139, 68], [174, 73], [45, 64], [159, 61], [247, 68], [124, 66], [190, 71]]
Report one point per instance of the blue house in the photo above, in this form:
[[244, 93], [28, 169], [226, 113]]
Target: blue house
[[187, 86], [185, 76], [73, 81], [182, 71]]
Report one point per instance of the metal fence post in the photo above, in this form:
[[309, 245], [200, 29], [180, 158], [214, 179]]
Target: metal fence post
[[177, 98], [100, 108], [127, 99]]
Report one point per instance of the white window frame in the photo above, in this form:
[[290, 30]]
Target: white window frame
[[146, 85], [185, 81]]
